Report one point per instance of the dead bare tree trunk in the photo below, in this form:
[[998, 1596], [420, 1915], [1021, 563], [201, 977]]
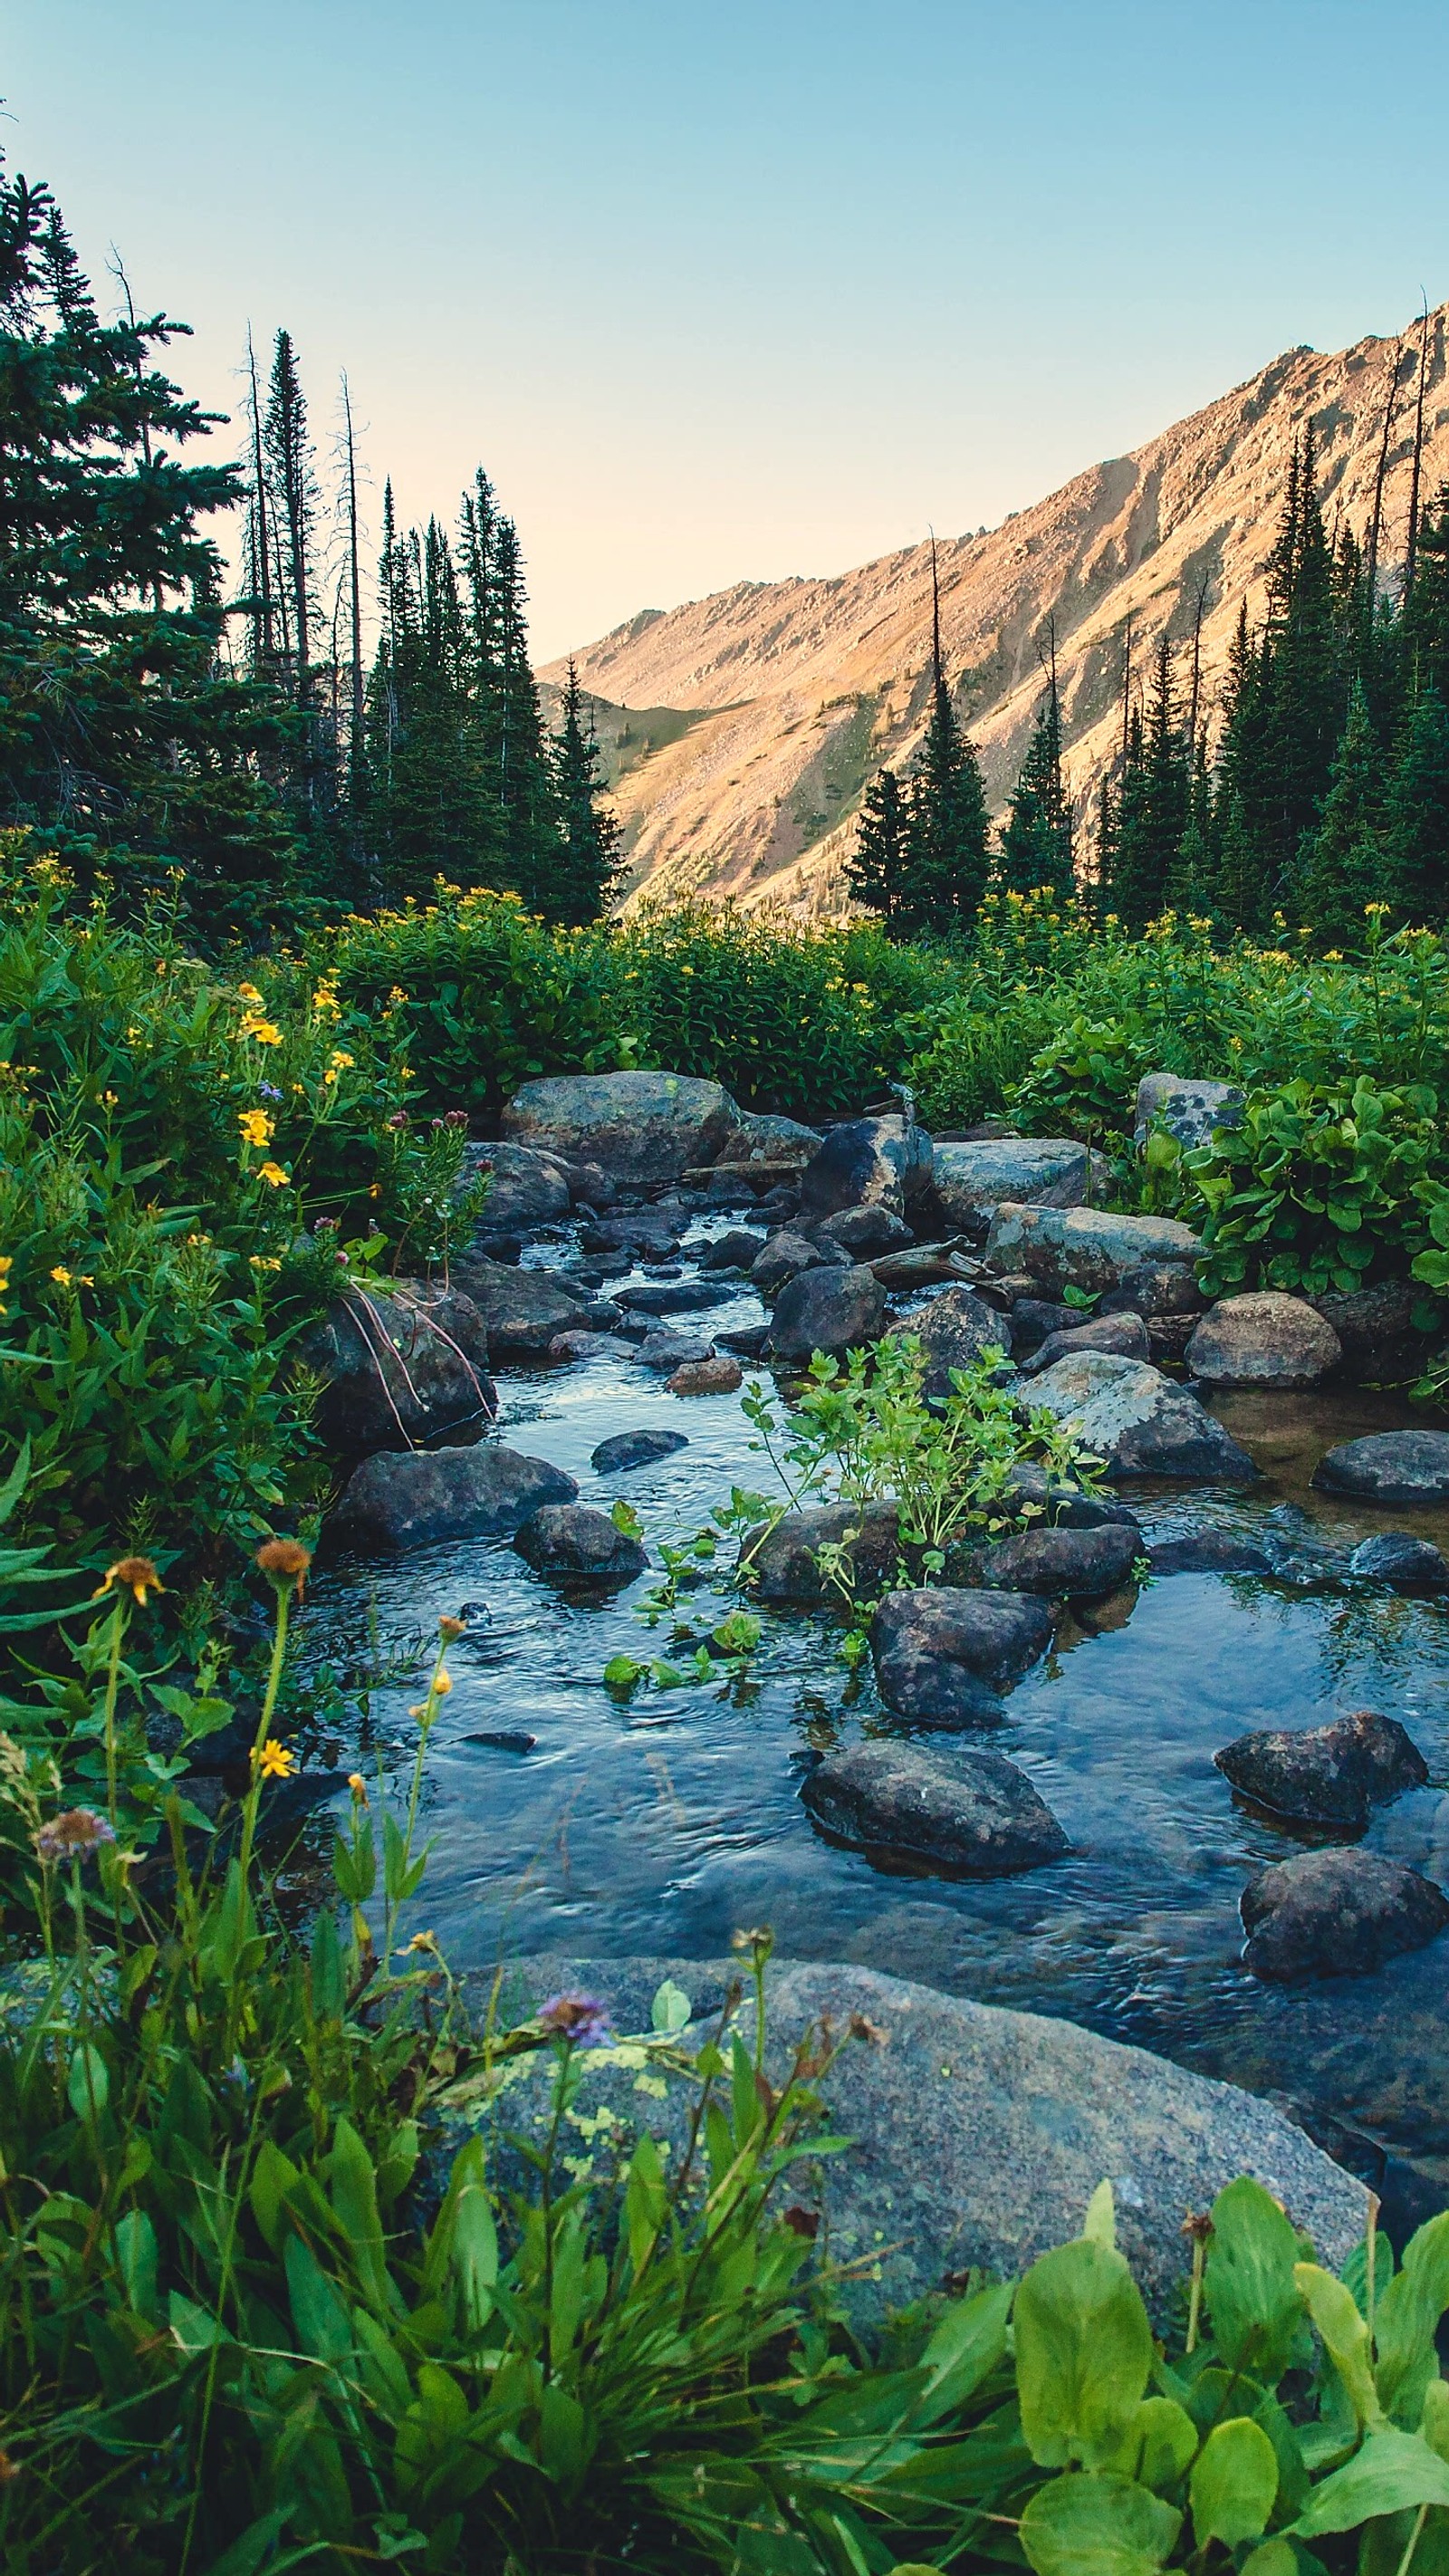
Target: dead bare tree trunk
[[1412, 549], [259, 481], [1376, 523], [1202, 592], [1126, 686], [355, 743]]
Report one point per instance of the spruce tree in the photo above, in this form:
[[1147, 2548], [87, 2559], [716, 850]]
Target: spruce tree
[[1342, 862], [588, 865], [532, 847], [878, 867], [1154, 809], [1036, 842], [1416, 823], [949, 824]]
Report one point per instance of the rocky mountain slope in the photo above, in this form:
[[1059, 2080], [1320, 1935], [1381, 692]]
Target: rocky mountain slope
[[740, 730]]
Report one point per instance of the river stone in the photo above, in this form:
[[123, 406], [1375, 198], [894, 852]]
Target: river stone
[[975, 1812], [1389, 1467], [1061, 1504], [1188, 1110], [732, 1251], [924, 1265], [719, 1376], [941, 1656], [573, 1540], [1137, 1421], [1377, 1329], [1211, 1551], [1085, 1247], [971, 1181], [954, 1329], [784, 1559], [1073, 1564], [1326, 1775], [648, 1230], [666, 1351], [786, 1255], [411, 1498], [641, 1128], [672, 1297], [761, 1137], [1396, 1556], [867, 1161], [979, 2134], [580, 1344], [407, 1367], [834, 1311], [866, 1232], [1263, 1339], [522, 1310], [1337, 1914], [524, 1189], [1160, 1291], [1034, 1319], [1126, 1335], [635, 1449]]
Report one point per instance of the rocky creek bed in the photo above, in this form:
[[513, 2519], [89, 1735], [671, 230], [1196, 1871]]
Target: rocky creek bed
[[658, 1825]]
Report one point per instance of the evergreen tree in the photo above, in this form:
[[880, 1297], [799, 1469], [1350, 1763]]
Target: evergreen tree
[[1154, 809], [949, 823], [532, 848], [589, 860], [878, 868], [122, 730], [1036, 843], [1341, 866], [1416, 835]]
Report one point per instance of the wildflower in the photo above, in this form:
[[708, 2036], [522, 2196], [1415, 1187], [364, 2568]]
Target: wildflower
[[341, 1061], [60, 1276], [1371, 909], [249, 993], [265, 1261], [423, 1941], [358, 1787], [455, 1118], [399, 1118], [255, 1125], [274, 1761], [755, 1942], [74, 1835], [134, 1574], [263, 1032], [269, 1091], [451, 1628], [874, 2033], [7, 1263], [273, 1175], [441, 1685], [284, 1561], [581, 2020], [131, 1036], [324, 999], [397, 997]]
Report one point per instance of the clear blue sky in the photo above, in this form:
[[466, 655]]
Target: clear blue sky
[[724, 291]]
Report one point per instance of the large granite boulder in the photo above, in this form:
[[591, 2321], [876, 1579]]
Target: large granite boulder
[[1064, 1564], [522, 1310], [640, 1128], [943, 1655], [761, 1137], [864, 1233], [734, 1250], [1137, 1421], [834, 1311], [1263, 1339], [1188, 1110], [1337, 1914], [524, 1188], [1325, 1775], [973, 1812], [401, 1370], [953, 1330], [979, 2135], [1125, 1335], [413, 1497], [971, 1181], [1389, 1467], [1086, 1247], [571, 1542], [785, 1559], [666, 1350], [786, 1254], [867, 1162]]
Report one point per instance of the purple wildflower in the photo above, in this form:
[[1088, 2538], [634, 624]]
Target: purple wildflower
[[75, 1834], [456, 1118], [582, 2020], [269, 1091]]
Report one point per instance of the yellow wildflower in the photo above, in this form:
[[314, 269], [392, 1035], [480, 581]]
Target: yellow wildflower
[[262, 1032], [249, 993], [324, 999], [341, 1060], [442, 1684], [265, 1261], [134, 1574], [7, 1263], [273, 1175], [255, 1125], [358, 1786], [60, 1276], [274, 1761]]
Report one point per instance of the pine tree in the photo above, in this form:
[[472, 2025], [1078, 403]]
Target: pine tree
[[1416, 823], [1036, 843], [949, 823], [589, 862], [532, 847], [287, 450], [879, 865], [1154, 809], [1342, 865]]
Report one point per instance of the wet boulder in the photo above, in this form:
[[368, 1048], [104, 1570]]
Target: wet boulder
[[571, 1542], [761, 1137], [943, 1656], [1070, 1564], [648, 1231], [867, 1161], [522, 1310], [628, 1449], [524, 1188], [642, 1129], [954, 1329], [580, 1344], [719, 1376], [973, 1812], [1263, 1340], [1210, 1551], [671, 1297], [1188, 1110], [1060, 1503], [1325, 1775], [1035, 1319], [786, 1255], [972, 1181], [401, 1369], [1124, 1335], [1084, 1247], [1389, 1467], [735, 1250], [785, 1558], [665, 1351], [833, 1311], [1337, 1914], [1137, 1421], [1377, 1327], [413, 1498], [1397, 1557], [865, 1232]]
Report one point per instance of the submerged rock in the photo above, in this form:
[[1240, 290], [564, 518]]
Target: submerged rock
[[408, 1366], [1396, 1556], [635, 1449], [1263, 1340], [974, 1812], [1125, 1335], [1086, 1247], [785, 1559], [411, 1498], [1135, 1419], [672, 1297], [1337, 1914], [666, 1351], [1389, 1467], [1209, 1551], [834, 1311], [1326, 1775], [1071, 1564], [640, 1128], [942, 1656], [573, 1540]]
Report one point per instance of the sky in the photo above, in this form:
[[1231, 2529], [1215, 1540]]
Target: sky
[[731, 291]]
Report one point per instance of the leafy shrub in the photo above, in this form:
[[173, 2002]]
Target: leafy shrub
[[1082, 1083], [1318, 1190]]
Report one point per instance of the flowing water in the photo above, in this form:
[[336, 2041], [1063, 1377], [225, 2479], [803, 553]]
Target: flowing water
[[661, 1823]]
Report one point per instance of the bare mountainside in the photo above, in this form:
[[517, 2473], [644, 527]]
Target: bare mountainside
[[740, 730]]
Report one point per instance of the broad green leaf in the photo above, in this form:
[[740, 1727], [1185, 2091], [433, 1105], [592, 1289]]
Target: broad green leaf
[[272, 2176], [1275, 2558], [474, 2261], [136, 2247], [1390, 2472], [1234, 2484], [1434, 2424], [321, 2320], [1100, 2223], [1158, 2444], [1083, 2353], [88, 2086], [1097, 2526], [1252, 2297], [1407, 2321], [329, 1985], [352, 2189], [1334, 2311], [646, 2200], [964, 2349], [671, 2008]]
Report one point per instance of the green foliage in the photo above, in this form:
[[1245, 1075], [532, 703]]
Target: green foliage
[[1082, 1083], [1318, 1189]]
